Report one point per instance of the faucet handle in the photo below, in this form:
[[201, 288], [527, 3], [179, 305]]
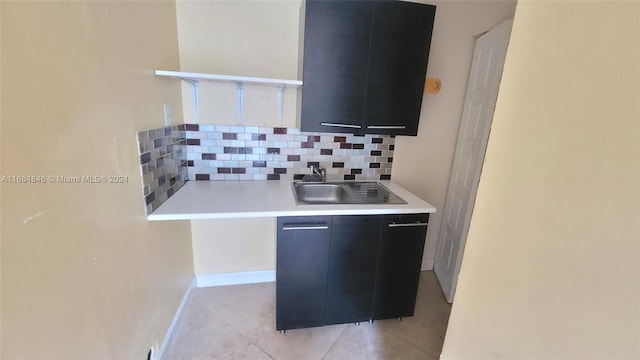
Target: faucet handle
[[317, 170]]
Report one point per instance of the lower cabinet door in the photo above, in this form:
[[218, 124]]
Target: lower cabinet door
[[353, 260], [399, 263], [302, 261]]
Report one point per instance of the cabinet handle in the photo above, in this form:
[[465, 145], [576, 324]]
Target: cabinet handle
[[386, 127], [322, 227], [393, 225], [342, 125]]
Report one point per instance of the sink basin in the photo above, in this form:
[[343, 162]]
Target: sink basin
[[320, 193], [358, 192]]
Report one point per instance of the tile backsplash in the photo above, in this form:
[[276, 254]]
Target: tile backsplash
[[162, 164], [172, 155], [222, 152]]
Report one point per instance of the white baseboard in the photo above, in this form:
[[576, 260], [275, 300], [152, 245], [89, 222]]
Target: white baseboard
[[236, 278], [428, 264], [169, 337]]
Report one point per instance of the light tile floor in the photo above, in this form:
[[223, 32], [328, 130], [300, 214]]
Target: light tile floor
[[238, 322]]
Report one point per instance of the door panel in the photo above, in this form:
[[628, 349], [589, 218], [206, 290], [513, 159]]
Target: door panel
[[400, 43], [336, 50], [480, 101], [302, 260], [400, 258]]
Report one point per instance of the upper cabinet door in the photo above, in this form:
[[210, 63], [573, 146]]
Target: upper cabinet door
[[364, 66], [336, 53], [399, 52]]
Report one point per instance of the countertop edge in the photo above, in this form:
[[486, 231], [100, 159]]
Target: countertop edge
[[189, 203]]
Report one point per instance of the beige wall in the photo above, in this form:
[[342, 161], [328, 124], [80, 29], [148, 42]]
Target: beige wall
[[233, 245], [246, 38], [552, 262], [84, 274], [422, 164]]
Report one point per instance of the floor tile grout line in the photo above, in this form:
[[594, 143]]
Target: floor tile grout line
[[334, 343], [264, 351], [242, 333], [252, 342], [407, 342]]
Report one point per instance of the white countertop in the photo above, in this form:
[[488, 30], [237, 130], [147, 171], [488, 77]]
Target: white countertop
[[247, 199]]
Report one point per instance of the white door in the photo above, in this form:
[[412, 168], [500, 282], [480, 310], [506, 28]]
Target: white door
[[480, 102]]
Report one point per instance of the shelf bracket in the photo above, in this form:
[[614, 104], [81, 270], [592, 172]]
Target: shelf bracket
[[193, 78], [240, 94], [196, 112], [280, 102]]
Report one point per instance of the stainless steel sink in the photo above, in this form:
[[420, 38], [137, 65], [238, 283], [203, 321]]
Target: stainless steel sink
[[353, 192]]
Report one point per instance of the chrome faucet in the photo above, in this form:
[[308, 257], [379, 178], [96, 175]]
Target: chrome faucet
[[322, 172]]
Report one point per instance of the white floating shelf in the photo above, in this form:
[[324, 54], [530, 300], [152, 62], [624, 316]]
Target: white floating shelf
[[240, 81], [190, 77]]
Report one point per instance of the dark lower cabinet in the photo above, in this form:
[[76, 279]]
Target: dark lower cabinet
[[353, 259], [399, 262], [341, 269], [302, 260]]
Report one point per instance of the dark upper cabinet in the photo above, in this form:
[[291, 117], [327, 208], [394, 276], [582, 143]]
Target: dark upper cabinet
[[336, 55], [364, 66], [400, 41]]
